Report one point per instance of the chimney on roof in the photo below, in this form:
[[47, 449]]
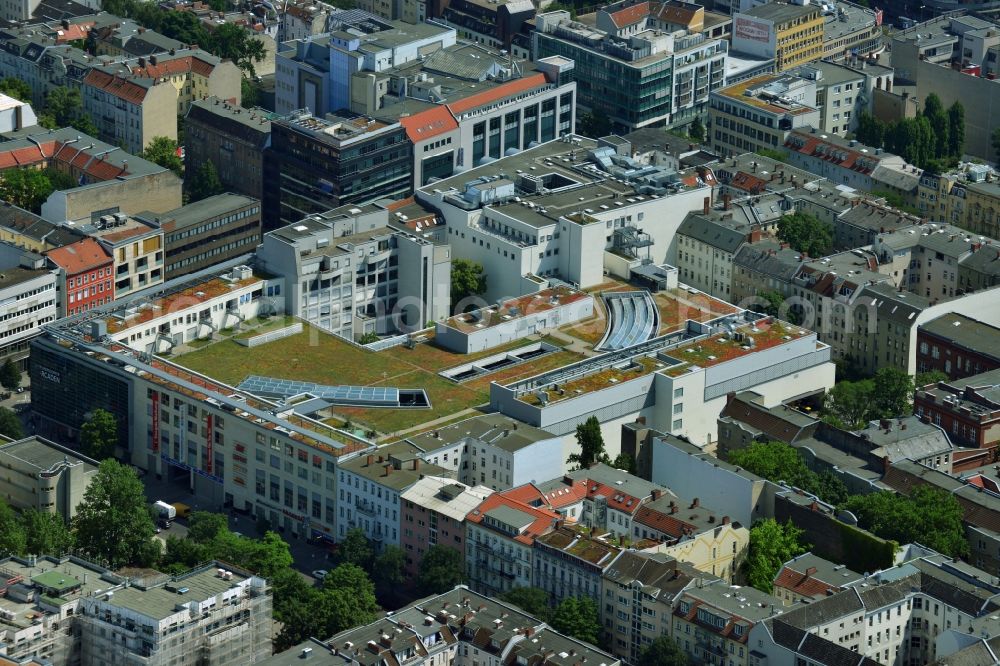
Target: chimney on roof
[[371, 459], [416, 464], [706, 205], [655, 494], [152, 60], [727, 201], [810, 571], [559, 524], [725, 520], [388, 469], [885, 424], [694, 503]]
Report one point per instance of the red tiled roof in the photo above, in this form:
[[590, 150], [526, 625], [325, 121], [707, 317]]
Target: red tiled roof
[[544, 519], [74, 32], [630, 15], [802, 583], [174, 66], [116, 85], [663, 522], [811, 142], [748, 183], [506, 90], [80, 256], [27, 155], [430, 123]]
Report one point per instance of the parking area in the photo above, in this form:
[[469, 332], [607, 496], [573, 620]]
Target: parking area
[[308, 557]]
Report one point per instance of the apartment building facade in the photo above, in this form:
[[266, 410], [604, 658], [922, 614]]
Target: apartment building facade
[[632, 71], [317, 164], [207, 232], [637, 599], [44, 476], [433, 513], [345, 271], [792, 34], [220, 441], [493, 450], [85, 274], [370, 486], [499, 541], [958, 345], [758, 114], [233, 139], [28, 301], [134, 101]]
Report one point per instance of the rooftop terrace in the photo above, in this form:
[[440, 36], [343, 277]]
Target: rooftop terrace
[[754, 92], [316, 356], [516, 308]]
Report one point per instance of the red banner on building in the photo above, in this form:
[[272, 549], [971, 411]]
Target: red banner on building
[[156, 421], [208, 443]]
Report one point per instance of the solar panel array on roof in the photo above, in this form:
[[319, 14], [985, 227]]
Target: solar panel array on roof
[[346, 395]]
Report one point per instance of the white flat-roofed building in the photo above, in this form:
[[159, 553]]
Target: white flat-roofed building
[[433, 513], [493, 450], [559, 209]]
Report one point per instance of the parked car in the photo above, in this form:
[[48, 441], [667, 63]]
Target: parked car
[[319, 574]]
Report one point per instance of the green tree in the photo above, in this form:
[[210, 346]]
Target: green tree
[[771, 545], [184, 27], [625, 462], [467, 279], [929, 377], [162, 150], [532, 600], [99, 435], [848, 404], [663, 651], [594, 124], [181, 555], [871, 131], [10, 424], [696, 130], [112, 524], [577, 617], [64, 108], [776, 461], [938, 119], [956, 129], [388, 574], [25, 188], [805, 233], [830, 488], [368, 338], [296, 607], [896, 200], [231, 41], [591, 443], [929, 516], [249, 93], [205, 182], [356, 549], [205, 526], [347, 599], [265, 556], [441, 569], [892, 394], [15, 88], [771, 305], [46, 533], [13, 540], [776, 155], [10, 375]]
